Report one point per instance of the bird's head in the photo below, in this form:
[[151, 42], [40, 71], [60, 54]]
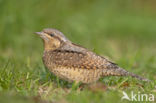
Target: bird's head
[[52, 38]]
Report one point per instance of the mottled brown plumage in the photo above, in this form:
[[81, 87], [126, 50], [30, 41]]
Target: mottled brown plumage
[[75, 63]]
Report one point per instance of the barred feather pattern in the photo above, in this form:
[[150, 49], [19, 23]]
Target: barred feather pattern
[[74, 63]]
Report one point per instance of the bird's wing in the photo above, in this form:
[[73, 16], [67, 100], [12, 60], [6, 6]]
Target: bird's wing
[[69, 58], [78, 59]]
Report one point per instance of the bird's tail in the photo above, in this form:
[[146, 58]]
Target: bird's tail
[[121, 72]]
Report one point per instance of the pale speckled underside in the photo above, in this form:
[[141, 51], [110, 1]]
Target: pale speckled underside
[[76, 74]]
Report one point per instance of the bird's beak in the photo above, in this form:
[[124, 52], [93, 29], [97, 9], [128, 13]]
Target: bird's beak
[[39, 33], [42, 35]]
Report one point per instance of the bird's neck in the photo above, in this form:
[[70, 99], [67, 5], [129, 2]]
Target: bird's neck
[[48, 45]]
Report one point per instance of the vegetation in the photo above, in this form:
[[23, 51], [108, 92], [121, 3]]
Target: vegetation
[[123, 30]]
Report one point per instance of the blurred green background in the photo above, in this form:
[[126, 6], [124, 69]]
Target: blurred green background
[[123, 30]]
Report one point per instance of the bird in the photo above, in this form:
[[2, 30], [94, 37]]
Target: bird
[[74, 63]]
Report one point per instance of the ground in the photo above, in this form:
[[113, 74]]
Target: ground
[[123, 31]]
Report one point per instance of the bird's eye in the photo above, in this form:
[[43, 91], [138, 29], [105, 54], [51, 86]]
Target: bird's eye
[[52, 34]]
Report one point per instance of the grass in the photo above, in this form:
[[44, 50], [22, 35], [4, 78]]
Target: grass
[[122, 30]]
